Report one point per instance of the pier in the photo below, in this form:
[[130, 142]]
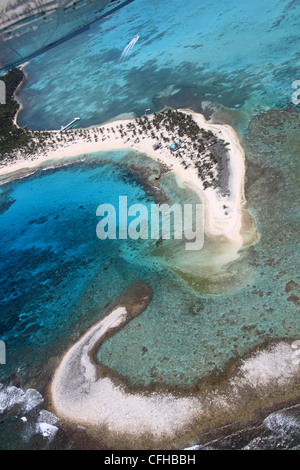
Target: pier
[[68, 125]]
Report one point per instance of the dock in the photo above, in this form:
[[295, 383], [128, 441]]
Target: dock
[[68, 125]]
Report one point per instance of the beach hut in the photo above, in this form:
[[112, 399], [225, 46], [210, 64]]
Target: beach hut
[[174, 146]]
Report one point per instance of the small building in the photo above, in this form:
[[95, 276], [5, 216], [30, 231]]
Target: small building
[[174, 146]]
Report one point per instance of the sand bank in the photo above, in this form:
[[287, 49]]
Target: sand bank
[[80, 396], [218, 222]]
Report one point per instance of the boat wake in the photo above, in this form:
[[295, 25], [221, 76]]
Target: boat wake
[[128, 49]]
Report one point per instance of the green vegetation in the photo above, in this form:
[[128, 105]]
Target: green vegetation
[[11, 136], [178, 131], [202, 147]]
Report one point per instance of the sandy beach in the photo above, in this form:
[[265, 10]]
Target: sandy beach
[[80, 395], [218, 222], [150, 300]]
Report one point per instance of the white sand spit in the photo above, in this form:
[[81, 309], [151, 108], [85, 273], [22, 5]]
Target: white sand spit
[[272, 365], [218, 222], [80, 397]]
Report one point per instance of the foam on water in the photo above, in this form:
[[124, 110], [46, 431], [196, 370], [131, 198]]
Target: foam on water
[[11, 396]]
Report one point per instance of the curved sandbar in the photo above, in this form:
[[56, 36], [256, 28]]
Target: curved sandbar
[[218, 222], [80, 396], [267, 378]]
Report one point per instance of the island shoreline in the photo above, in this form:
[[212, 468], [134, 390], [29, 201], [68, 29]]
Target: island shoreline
[[80, 396], [218, 223]]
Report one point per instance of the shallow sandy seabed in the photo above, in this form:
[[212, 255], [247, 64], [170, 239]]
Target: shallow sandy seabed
[[80, 396]]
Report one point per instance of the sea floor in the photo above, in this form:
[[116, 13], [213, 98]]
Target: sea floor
[[57, 277]]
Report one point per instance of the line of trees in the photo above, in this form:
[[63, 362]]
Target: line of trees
[[11, 136]]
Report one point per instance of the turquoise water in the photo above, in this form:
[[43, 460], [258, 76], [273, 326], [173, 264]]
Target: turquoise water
[[25, 36], [56, 276], [242, 58], [50, 253], [236, 54]]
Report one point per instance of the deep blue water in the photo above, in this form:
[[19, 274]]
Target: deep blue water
[[57, 276], [243, 59], [50, 252]]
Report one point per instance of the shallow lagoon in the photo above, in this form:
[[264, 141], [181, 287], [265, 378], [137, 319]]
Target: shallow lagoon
[[57, 277], [54, 287], [239, 55]]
